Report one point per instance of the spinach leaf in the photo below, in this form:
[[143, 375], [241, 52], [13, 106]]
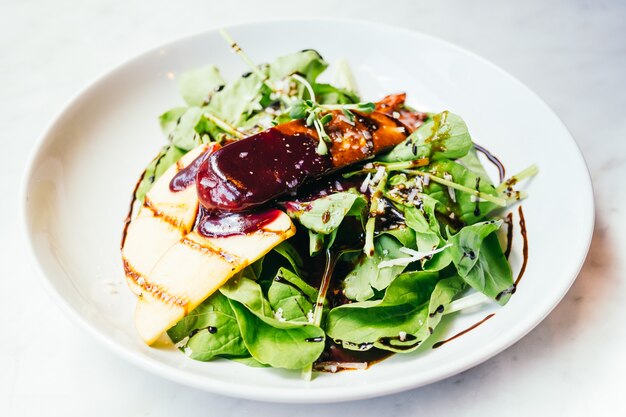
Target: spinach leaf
[[366, 277], [404, 234], [407, 315], [212, 330], [325, 214], [280, 344], [473, 164], [196, 86], [403, 310], [478, 257], [293, 297], [287, 251], [465, 208], [443, 136]]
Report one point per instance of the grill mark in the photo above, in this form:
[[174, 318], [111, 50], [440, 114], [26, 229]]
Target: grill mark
[[129, 215], [212, 250], [158, 213], [154, 289]]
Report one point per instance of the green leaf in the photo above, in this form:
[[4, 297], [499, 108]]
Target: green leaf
[[473, 164], [366, 276], [184, 134], [169, 119], [212, 330], [298, 110], [290, 295], [325, 214], [466, 208], [478, 257], [238, 100], [402, 320], [166, 158], [328, 94], [273, 342], [197, 86], [403, 309], [308, 63], [287, 251], [443, 136]]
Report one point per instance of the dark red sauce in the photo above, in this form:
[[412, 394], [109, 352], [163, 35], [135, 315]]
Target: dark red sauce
[[461, 333], [187, 176], [252, 171], [222, 224], [522, 225], [493, 159]]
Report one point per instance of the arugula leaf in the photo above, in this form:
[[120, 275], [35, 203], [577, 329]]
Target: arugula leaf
[[366, 277], [184, 135], [308, 63], [328, 94], [325, 214], [478, 257], [166, 158], [169, 119], [270, 341], [443, 136], [238, 99], [212, 330], [466, 208], [196, 86]]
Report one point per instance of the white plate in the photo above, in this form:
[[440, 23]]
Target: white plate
[[79, 180]]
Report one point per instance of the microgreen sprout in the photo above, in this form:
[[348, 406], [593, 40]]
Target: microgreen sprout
[[226, 127], [253, 67], [318, 116]]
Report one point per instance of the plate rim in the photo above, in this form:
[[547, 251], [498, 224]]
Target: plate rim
[[260, 393]]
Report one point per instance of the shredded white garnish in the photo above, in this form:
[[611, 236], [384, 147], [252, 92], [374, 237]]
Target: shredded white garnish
[[449, 177], [279, 315], [426, 180], [380, 171], [469, 302], [402, 336], [474, 199], [411, 197], [183, 342], [188, 351], [310, 317], [415, 256], [335, 366], [366, 183]]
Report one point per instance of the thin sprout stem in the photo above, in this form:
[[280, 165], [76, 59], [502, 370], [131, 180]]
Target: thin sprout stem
[[225, 126], [306, 84], [253, 67], [467, 302], [531, 171], [370, 226], [495, 200]]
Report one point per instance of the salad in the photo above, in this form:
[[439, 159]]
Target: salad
[[288, 223]]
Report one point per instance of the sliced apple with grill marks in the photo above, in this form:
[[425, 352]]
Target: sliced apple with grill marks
[[163, 219], [195, 267]]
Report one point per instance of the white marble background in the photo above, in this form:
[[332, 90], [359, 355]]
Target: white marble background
[[573, 53]]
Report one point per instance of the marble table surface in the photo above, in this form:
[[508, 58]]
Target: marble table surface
[[571, 52]]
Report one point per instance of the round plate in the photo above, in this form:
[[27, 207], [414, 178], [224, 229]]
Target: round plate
[[79, 180]]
